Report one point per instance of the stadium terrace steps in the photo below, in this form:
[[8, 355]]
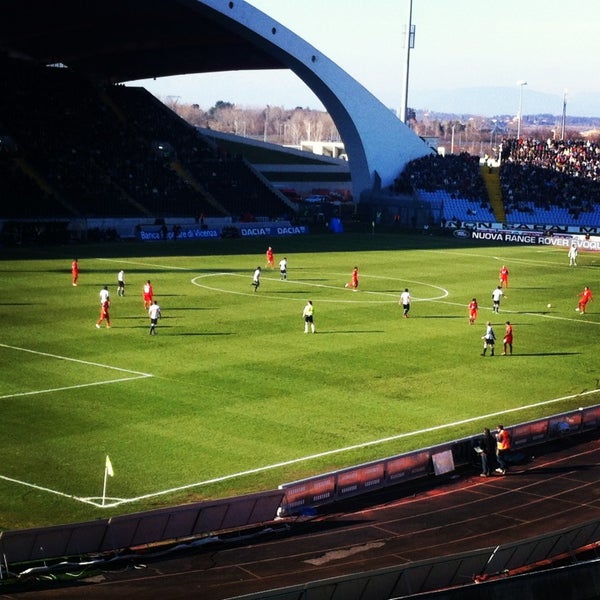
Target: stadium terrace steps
[[491, 177]]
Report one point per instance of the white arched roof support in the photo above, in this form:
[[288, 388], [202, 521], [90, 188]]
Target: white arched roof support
[[377, 142]]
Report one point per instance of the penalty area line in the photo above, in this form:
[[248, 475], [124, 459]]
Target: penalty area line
[[133, 374], [75, 360], [73, 387]]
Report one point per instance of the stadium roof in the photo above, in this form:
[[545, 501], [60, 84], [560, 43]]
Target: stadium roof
[[126, 40]]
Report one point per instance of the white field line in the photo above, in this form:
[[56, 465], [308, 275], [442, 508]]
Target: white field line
[[393, 296], [113, 502], [544, 315], [51, 491], [144, 264], [73, 387], [134, 374], [547, 263]]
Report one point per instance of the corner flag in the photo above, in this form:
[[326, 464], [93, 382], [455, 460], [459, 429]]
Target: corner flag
[[109, 468]]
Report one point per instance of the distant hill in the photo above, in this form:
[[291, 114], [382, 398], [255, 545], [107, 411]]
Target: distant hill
[[496, 101]]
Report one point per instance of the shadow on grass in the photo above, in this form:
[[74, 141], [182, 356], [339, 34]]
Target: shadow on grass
[[18, 303], [166, 329], [352, 331], [206, 333], [180, 308], [439, 317], [542, 354]]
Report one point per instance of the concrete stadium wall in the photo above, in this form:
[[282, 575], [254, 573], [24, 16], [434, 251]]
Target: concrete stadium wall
[[306, 494]]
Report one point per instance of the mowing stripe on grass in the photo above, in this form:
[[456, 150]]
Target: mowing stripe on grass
[[117, 502], [111, 502]]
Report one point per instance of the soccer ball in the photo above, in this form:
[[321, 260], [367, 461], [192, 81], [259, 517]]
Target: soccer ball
[[577, 309], [549, 305], [345, 285]]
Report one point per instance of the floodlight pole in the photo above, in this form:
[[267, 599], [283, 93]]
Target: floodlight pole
[[408, 44], [520, 84], [266, 123], [564, 116]]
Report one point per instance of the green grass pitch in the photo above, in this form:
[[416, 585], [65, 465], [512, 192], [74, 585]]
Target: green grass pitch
[[232, 397]]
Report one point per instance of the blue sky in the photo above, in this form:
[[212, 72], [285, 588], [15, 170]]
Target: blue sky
[[460, 45]]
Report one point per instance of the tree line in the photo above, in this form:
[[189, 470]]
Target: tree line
[[274, 124], [477, 135]]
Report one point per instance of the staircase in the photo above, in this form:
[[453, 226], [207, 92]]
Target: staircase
[[491, 177], [186, 176], [30, 171]]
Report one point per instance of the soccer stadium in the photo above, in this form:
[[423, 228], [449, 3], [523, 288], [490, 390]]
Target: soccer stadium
[[178, 423]]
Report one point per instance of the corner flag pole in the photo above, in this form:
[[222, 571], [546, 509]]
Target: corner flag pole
[[108, 472]]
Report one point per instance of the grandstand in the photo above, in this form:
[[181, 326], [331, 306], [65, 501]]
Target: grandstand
[[94, 152], [520, 191], [90, 151]]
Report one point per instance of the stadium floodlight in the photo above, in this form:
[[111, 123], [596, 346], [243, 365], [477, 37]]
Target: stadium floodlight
[[520, 83], [409, 43], [564, 116]]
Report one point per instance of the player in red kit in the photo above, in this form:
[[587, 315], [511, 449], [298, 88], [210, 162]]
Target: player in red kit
[[353, 280], [104, 314], [473, 308], [75, 271], [147, 294], [504, 276], [270, 258], [584, 298]]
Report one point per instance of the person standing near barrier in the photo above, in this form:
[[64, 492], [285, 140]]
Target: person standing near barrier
[[487, 449], [503, 443]]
